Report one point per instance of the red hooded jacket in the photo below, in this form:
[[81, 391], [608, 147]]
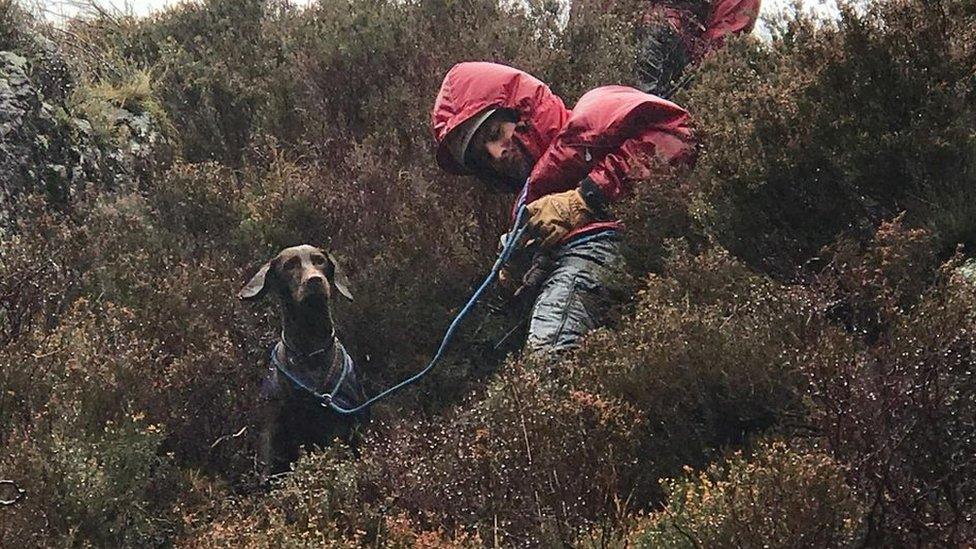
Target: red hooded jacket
[[724, 18], [611, 129]]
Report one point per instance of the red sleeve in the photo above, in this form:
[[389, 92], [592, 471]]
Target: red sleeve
[[612, 130], [616, 173]]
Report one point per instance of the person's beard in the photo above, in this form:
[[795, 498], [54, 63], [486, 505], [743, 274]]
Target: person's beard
[[511, 176], [502, 183], [509, 184]]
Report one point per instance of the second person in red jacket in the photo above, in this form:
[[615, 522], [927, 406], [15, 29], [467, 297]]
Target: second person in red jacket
[[678, 33], [509, 130]]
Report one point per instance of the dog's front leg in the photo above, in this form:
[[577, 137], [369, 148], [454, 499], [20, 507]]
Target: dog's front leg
[[278, 448], [266, 441]]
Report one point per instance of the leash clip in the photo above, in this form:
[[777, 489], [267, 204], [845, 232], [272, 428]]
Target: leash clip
[[20, 494]]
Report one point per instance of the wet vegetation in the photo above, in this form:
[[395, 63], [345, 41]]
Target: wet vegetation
[[794, 367]]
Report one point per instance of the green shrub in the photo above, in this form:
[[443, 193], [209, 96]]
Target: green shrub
[[779, 497], [108, 487], [315, 506]]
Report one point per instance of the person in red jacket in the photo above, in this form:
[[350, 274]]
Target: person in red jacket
[[509, 130], [678, 33]]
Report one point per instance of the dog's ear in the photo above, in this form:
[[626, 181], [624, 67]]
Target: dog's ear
[[338, 278], [257, 286]]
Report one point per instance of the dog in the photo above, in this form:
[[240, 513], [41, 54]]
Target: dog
[[305, 279]]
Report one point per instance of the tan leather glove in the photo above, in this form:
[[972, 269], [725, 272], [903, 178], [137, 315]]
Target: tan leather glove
[[553, 216]]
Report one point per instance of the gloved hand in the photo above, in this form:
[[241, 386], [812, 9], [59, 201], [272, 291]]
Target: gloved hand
[[506, 280], [539, 269], [553, 216]]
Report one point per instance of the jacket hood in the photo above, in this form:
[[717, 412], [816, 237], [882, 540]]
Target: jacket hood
[[471, 87]]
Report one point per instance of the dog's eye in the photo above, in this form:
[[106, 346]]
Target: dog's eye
[[318, 260], [292, 263]]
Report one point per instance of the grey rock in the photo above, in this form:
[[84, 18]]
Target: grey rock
[[47, 149]]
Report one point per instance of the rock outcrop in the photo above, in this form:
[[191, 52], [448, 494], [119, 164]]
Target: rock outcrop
[[48, 149]]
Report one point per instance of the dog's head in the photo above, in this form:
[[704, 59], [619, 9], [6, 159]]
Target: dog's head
[[300, 275]]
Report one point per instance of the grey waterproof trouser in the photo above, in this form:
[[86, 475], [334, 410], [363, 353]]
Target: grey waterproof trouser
[[586, 277]]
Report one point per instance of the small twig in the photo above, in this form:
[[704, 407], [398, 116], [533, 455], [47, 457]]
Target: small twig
[[47, 354], [508, 334], [525, 432], [226, 437]]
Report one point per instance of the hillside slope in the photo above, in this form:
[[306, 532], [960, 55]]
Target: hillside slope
[[794, 367]]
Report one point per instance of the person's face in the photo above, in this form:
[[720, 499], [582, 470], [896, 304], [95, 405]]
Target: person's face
[[495, 149]]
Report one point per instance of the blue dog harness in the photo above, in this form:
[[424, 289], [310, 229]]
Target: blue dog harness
[[345, 390]]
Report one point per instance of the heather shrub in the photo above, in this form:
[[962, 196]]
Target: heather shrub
[[333, 74], [200, 204], [870, 283], [532, 462], [133, 422], [107, 486], [896, 402], [212, 88], [196, 333], [527, 462], [408, 47], [139, 310], [831, 131], [75, 436], [660, 211], [316, 505], [550, 450], [709, 355], [27, 301], [780, 496]]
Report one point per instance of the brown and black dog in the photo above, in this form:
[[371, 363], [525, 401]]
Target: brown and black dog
[[304, 278]]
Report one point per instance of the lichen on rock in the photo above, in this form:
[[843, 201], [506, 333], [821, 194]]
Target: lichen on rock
[[49, 147]]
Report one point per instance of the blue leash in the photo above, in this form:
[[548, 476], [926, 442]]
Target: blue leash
[[328, 399]]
